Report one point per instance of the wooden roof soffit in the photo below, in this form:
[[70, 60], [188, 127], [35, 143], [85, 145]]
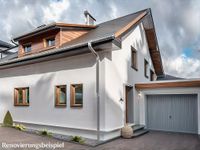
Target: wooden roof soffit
[[60, 24], [154, 51], [176, 84], [128, 26]]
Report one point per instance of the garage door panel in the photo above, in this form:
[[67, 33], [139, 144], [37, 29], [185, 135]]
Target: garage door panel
[[184, 113], [156, 117], [176, 113]]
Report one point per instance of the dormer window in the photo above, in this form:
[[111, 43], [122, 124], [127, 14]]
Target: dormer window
[[27, 48], [50, 42]]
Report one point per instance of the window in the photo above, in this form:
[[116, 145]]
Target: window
[[134, 58], [152, 75], [76, 95], [27, 48], [50, 42], [60, 95], [21, 96], [146, 68]]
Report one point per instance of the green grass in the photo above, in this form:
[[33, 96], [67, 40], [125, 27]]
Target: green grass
[[45, 133], [20, 127], [78, 139]]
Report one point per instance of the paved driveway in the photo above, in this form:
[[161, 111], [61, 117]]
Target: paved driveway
[[151, 141]]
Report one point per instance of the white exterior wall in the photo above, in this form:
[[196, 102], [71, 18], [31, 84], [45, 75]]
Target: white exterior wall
[[41, 78], [118, 73], [142, 99]]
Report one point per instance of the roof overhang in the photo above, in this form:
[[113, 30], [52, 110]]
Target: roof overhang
[[5, 44], [146, 18], [129, 26], [168, 84], [82, 48]]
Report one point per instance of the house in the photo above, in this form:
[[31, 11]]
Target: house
[[90, 80], [4, 45], [5, 49]]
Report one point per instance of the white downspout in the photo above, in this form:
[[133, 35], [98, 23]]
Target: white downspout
[[97, 88]]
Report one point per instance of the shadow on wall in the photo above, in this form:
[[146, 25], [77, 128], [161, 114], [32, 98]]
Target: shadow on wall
[[40, 99], [136, 76], [69, 63], [140, 44], [44, 99], [114, 111]]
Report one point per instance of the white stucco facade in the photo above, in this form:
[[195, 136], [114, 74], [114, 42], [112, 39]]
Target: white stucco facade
[[41, 78], [119, 73]]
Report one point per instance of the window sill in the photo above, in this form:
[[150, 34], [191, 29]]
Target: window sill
[[37, 51], [49, 47], [76, 106], [60, 105], [21, 104]]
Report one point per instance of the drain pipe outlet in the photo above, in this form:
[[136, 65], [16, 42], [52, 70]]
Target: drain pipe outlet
[[97, 88]]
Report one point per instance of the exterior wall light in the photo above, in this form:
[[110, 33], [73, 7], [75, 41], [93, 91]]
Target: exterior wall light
[[140, 94]]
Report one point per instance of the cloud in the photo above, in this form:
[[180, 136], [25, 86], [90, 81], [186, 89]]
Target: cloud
[[183, 66], [54, 11], [177, 22]]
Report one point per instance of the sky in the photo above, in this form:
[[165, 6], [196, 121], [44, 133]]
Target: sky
[[177, 24]]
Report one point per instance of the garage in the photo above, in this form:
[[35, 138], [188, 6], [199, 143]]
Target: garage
[[172, 112], [172, 106]]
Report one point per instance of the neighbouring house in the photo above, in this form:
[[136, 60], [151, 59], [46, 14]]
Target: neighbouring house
[[7, 49], [4, 45], [90, 80]]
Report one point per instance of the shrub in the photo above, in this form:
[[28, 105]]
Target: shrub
[[78, 139], [8, 121], [45, 133], [20, 127]]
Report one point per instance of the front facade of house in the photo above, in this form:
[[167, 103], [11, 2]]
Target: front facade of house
[[51, 84]]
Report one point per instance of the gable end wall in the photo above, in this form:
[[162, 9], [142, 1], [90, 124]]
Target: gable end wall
[[118, 73]]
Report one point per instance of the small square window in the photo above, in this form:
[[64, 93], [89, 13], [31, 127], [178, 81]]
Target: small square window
[[60, 95], [146, 64], [21, 97], [50, 42], [76, 95], [134, 58], [27, 48]]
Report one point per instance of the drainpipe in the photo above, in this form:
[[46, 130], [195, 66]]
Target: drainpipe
[[97, 88]]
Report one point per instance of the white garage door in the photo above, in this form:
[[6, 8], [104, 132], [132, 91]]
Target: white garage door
[[176, 113]]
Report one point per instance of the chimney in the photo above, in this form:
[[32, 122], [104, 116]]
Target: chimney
[[89, 19]]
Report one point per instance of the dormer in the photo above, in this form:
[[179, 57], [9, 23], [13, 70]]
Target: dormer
[[47, 37]]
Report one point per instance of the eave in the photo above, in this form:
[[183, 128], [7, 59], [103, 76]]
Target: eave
[[78, 49], [151, 38], [54, 26], [125, 29], [170, 84]]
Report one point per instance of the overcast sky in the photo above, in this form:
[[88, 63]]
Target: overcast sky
[[177, 24]]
